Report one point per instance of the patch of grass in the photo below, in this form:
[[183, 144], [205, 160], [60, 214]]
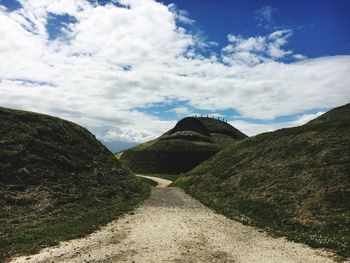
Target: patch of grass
[[333, 233], [168, 156], [57, 181], [180, 149], [220, 127], [293, 182], [23, 233]]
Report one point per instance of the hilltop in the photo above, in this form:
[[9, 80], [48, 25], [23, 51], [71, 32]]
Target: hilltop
[[190, 142], [294, 182], [57, 181]]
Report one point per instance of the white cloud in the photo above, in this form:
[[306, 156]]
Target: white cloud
[[264, 16], [252, 129], [181, 15], [299, 56], [181, 111], [138, 133], [115, 59], [302, 119], [278, 40], [255, 50]]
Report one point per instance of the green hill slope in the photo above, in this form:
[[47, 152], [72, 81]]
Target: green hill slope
[[189, 143], [295, 182], [56, 182]]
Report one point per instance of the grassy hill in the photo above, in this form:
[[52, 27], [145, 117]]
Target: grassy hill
[[189, 143], [57, 181], [294, 182]]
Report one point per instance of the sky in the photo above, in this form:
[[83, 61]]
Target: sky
[[128, 70]]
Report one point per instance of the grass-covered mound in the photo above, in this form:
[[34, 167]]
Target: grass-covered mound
[[295, 182], [57, 181], [189, 143]]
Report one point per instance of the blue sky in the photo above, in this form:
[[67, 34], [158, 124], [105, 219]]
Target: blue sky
[[321, 27], [129, 69]]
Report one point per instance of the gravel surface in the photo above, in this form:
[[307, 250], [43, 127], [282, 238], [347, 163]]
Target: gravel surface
[[173, 227]]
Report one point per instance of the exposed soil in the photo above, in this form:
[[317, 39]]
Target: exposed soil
[[173, 227], [161, 182], [119, 155]]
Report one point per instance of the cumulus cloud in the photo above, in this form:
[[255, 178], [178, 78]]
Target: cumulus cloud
[[255, 50], [114, 59], [252, 129], [181, 111], [181, 15], [299, 56]]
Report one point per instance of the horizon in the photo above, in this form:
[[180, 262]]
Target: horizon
[[128, 70]]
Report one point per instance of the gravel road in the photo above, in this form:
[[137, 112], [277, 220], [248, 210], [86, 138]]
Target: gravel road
[[173, 227]]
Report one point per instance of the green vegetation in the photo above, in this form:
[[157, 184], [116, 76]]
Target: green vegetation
[[293, 182], [189, 143], [220, 127], [56, 182]]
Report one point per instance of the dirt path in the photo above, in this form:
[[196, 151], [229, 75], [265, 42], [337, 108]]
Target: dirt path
[[173, 227], [161, 182], [119, 155]]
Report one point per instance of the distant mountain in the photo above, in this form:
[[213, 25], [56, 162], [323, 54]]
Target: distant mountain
[[56, 181], [190, 142], [292, 181]]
